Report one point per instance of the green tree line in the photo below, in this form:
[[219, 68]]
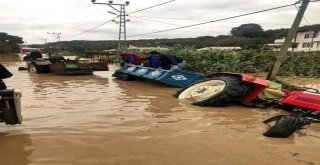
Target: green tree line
[[9, 43], [247, 36]]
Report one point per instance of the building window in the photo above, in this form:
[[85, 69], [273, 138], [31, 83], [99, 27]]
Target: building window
[[307, 36], [294, 45], [307, 45]]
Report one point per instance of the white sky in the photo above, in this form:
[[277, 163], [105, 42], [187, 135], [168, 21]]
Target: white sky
[[32, 19]]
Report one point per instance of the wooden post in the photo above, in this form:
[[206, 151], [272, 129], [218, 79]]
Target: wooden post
[[284, 48]]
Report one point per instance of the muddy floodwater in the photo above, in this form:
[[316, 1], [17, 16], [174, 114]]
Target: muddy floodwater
[[97, 120]]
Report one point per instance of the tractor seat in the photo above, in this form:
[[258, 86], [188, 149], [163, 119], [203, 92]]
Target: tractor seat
[[272, 92]]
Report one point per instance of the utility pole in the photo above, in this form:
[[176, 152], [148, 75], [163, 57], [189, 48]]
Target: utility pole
[[55, 35], [284, 48], [122, 40]]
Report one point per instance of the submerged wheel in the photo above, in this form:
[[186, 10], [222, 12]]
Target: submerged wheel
[[122, 76], [284, 127], [32, 68], [219, 91]]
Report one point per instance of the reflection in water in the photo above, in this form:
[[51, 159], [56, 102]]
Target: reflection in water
[[99, 120], [14, 149]]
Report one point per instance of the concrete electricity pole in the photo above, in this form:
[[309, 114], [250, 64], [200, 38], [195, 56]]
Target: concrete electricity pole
[[284, 48], [122, 45]]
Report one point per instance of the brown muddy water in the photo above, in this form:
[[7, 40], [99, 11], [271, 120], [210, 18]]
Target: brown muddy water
[[97, 120]]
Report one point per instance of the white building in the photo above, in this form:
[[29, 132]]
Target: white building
[[308, 40], [219, 48]]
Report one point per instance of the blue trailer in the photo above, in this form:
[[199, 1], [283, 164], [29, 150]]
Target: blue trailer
[[175, 78]]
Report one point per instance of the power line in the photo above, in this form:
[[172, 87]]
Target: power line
[[167, 23], [303, 16], [117, 16], [151, 7], [171, 18], [77, 13], [179, 19], [182, 27], [93, 28]]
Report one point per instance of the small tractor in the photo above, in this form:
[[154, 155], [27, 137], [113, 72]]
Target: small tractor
[[35, 63]]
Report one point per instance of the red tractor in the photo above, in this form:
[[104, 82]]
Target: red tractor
[[222, 89]]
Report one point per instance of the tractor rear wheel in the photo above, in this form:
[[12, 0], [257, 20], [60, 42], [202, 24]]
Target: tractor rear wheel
[[32, 68], [218, 91]]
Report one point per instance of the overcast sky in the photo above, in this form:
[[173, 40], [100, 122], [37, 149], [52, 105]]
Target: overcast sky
[[32, 19]]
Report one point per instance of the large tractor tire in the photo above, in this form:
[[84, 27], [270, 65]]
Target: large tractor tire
[[34, 68], [218, 91], [285, 126]]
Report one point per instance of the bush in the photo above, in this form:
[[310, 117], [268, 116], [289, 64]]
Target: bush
[[248, 61]]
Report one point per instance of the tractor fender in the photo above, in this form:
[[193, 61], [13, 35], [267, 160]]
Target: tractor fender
[[41, 62], [244, 77], [257, 85]]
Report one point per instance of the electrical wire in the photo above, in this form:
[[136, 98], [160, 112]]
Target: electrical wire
[[237, 16], [168, 23], [117, 16], [92, 28], [179, 19], [150, 7], [171, 18], [77, 13], [303, 16]]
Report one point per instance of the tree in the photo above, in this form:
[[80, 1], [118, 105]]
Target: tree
[[247, 30], [9, 43]]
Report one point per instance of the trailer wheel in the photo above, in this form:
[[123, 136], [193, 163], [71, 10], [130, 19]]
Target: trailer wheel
[[218, 91], [284, 127], [122, 76]]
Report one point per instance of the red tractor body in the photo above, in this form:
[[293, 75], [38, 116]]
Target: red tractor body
[[302, 99]]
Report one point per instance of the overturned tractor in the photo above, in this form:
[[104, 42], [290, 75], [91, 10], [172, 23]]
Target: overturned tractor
[[222, 89]]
